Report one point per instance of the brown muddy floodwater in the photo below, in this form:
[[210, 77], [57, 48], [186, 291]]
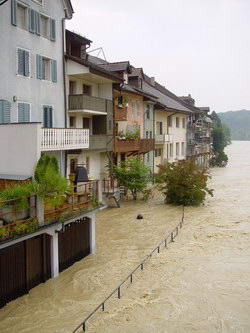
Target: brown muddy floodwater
[[201, 283]]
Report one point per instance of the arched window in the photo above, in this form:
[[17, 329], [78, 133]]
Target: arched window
[[4, 111]]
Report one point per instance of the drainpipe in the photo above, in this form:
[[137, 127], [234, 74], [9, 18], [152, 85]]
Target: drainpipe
[[65, 91]]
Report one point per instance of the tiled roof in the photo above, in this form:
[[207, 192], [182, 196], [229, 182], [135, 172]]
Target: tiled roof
[[116, 66]]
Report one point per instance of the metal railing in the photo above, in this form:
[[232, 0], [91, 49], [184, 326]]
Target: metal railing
[[168, 239]]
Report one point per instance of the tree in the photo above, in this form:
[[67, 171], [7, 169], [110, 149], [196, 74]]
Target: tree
[[49, 183], [183, 183], [133, 175]]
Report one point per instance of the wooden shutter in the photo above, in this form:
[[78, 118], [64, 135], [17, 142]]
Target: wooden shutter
[[39, 67], [37, 23], [26, 63], [13, 11], [20, 62], [5, 107], [32, 20], [52, 29], [54, 71], [23, 112]]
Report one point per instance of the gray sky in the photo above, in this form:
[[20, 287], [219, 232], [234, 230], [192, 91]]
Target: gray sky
[[200, 47]]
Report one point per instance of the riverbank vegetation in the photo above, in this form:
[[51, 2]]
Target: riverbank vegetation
[[221, 138], [183, 183]]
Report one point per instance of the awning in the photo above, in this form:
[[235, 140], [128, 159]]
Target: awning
[[89, 112]]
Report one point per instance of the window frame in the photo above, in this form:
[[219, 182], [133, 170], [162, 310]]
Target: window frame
[[26, 7], [48, 25]]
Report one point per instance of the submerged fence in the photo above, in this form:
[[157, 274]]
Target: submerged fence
[[168, 239]]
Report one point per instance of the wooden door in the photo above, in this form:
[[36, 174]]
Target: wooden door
[[74, 243]]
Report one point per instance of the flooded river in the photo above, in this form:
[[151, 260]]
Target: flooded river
[[201, 283]]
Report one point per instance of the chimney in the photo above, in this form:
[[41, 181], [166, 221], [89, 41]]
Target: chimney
[[152, 81]]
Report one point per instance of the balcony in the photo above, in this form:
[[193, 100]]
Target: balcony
[[120, 113], [90, 103], [146, 145], [64, 139], [126, 145], [161, 138]]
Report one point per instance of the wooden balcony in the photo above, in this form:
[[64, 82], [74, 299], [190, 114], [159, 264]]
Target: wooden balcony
[[146, 145], [120, 113], [134, 145], [126, 145], [64, 139], [84, 102]]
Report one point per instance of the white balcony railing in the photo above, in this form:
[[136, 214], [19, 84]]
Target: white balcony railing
[[64, 139]]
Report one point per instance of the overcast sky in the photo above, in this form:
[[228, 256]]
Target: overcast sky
[[201, 47]]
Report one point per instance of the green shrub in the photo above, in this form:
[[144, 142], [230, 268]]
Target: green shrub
[[183, 183], [219, 160], [133, 175], [21, 192]]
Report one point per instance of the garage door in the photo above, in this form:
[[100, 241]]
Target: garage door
[[23, 266], [74, 243]]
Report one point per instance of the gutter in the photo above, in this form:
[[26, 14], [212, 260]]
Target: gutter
[[65, 92]]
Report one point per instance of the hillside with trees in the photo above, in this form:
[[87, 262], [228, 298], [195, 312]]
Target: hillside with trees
[[238, 122]]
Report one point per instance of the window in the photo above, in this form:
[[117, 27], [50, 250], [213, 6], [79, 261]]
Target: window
[[47, 116], [177, 122], [72, 87], [159, 128], [21, 16], [171, 150], [23, 62], [72, 122], [46, 69], [158, 152], [170, 121], [44, 26], [5, 107], [183, 122], [151, 134], [86, 90], [183, 148], [23, 112], [86, 123], [177, 149], [138, 111]]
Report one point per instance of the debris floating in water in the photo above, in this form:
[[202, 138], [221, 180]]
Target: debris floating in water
[[139, 217]]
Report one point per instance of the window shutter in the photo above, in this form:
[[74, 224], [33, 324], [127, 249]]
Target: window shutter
[[5, 107], [39, 64], [20, 62], [37, 23], [32, 20], [50, 117], [52, 29], [26, 63], [54, 71], [23, 112], [13, 11], [45, 116]]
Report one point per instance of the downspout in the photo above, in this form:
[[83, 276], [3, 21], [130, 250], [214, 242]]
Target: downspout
[[65, 91]]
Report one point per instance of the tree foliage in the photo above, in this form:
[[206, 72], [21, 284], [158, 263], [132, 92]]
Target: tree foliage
[[49, 183], [221, 138], [183, 183], [133, 175]]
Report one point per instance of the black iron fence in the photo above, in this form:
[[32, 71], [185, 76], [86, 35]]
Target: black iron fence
[[168, 239]]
